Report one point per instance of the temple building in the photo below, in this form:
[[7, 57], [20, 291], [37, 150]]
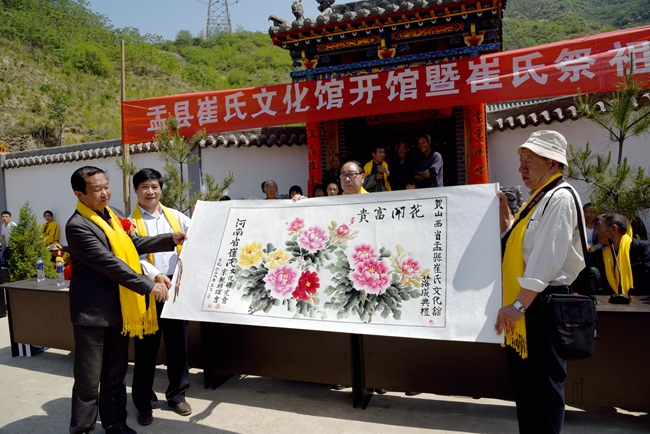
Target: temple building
[[370, 36]]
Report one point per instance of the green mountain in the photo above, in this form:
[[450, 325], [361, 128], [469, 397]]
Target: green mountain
[[532, 22], [60, 62]]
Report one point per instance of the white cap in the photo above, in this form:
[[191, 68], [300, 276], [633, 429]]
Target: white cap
[[547, 144]]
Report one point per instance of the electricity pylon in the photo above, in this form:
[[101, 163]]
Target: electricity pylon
[[218, 19]]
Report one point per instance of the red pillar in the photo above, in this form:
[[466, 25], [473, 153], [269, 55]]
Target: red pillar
[[478, 166], [313, 151]]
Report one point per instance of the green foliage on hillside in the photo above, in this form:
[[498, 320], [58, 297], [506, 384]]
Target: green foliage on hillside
[[61, 43], [64, 45], [533, 22]]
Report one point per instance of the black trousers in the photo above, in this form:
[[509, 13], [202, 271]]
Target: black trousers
[[100, 357], [538, 380], [174, 332]]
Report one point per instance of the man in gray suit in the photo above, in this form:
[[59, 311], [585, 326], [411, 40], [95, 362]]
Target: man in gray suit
[[95, 311]]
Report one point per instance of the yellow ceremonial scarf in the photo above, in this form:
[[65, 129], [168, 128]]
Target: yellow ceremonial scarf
[[361, 191], [513, 267], [142, 227], [623, 256], [136, 318], [51, 232], [367, 169]]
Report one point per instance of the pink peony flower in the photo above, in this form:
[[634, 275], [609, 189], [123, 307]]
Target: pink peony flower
[[343, 230], [363, 252], [296, 225], [281, 281], [371, 276], [410, 266], [313, 239]]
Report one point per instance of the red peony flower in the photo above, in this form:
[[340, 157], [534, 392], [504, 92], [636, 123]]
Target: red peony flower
[[307, 284]]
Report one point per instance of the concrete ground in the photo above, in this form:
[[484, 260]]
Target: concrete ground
[[36, 391]]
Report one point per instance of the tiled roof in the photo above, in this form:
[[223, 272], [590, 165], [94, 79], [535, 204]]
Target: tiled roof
[[87, 151], [260, 137], [521, 114], [364, 9], [113, 148]]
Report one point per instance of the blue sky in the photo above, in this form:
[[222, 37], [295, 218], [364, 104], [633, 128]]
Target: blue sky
[[167, 17]]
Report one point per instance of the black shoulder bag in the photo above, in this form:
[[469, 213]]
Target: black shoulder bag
[[571, 318]]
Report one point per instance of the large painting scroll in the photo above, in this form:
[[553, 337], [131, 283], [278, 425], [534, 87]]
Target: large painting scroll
[[420, 263]]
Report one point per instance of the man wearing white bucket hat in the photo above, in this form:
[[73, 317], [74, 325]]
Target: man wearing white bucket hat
[[543, 255]]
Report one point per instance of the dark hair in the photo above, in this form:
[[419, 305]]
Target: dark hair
[[146, 174], [6, 212], [224, 198], [320, 187], [48, 212], [355, 162], [376, 148], [79, 176], [587, 205], [619, 220], [295, 188], [338, 187], [424, 136]]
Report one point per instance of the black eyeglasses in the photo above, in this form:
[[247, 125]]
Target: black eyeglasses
[[351, 175]]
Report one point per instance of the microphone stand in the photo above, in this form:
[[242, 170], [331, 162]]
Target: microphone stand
[[619, 298]]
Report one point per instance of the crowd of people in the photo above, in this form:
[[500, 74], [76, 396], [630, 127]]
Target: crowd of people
[[401, 171], [541, 250]]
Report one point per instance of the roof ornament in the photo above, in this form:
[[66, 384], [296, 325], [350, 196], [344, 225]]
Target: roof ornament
[[298, 11], [325, 7]]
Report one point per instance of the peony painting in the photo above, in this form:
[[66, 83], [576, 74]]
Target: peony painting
[[366, 280]]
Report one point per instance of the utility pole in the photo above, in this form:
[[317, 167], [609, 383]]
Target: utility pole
[[218, 19]]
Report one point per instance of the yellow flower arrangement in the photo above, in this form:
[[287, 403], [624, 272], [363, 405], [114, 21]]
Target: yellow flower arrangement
[[250, 254], [277, 258]]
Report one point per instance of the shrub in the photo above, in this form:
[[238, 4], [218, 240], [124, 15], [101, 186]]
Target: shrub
[[26, 244]]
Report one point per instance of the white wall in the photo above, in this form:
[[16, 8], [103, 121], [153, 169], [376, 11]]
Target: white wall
[[286, 165], [48, 186], [503, 160]]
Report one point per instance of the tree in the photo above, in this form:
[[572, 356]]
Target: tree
[[26, 244], [177, 153], [621, 188], [622, 116], [58, 107]]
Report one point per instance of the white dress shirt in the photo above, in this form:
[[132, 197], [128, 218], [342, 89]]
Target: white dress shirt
[[552, 249], [163, 262]]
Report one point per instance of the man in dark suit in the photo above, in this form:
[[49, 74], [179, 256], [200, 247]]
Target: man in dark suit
[[95, 310], [633, 258]]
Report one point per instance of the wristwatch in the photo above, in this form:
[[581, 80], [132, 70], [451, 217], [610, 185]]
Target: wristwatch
[[519, 306]]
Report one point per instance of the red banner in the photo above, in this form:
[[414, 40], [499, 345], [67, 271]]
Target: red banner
[[592, 63]]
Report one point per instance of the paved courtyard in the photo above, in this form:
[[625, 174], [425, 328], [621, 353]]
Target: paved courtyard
[[35, 398]]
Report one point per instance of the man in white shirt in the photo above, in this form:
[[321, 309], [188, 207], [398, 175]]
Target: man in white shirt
[[154, 219], [5, 232], [543, 255]]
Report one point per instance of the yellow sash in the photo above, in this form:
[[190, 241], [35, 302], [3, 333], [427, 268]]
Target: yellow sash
[[368, 168], [623, 256], [361, 191], [142, 227], [51, 232], [513, 267], [136, 318]]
